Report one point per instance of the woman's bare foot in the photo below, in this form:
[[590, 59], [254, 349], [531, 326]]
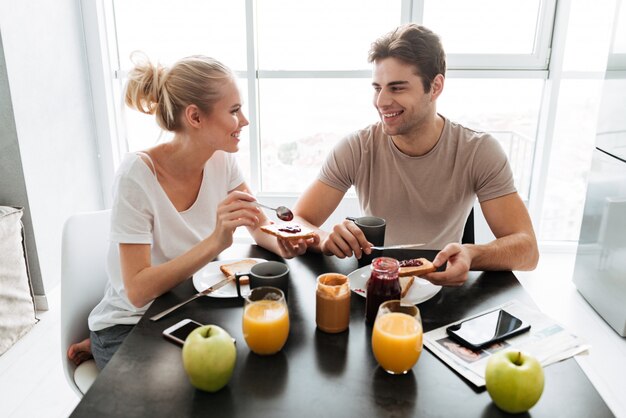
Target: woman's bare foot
[[80, 352]]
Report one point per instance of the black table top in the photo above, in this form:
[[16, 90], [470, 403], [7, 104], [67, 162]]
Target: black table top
[[318, 374]]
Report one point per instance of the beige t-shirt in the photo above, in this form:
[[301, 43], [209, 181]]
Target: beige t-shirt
[[426, 198]]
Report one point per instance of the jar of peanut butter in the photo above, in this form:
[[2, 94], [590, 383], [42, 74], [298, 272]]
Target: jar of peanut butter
[[332, 302]]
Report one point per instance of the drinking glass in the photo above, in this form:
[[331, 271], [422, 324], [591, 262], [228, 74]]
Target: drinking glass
[[265, 320], [397, 336]]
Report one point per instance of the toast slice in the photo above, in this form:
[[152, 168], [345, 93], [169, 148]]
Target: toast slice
[[242, 266], [405, 284], [416, 267], [289, 230]]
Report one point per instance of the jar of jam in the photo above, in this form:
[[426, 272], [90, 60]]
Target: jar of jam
[[382, 285]]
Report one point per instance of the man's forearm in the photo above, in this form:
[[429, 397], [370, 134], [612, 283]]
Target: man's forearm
[[513, 252]]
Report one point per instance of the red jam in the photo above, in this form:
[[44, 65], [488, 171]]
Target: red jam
[[414, 262], [290, 229], [383, 285]]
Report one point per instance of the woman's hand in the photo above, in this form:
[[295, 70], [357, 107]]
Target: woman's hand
[[293, 248], [235, 211]]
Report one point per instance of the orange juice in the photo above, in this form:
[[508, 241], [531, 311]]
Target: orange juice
[[265, 326], [397, 341]]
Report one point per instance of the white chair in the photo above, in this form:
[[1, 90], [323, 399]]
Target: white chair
[[83, 277]]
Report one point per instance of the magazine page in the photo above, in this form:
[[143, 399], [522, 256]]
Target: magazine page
[[546, 340]]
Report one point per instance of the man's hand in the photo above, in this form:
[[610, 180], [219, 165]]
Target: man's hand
[[459, 261], [345, 240]]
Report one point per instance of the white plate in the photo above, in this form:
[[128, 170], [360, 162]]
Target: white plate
[[420, 291], [210, 274]]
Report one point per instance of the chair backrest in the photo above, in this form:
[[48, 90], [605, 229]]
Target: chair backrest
[[84, 249], [468, 231]]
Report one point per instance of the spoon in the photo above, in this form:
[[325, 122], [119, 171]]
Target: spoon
[[282, 212]]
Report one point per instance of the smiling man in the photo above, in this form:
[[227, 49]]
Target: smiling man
[[421, 171]]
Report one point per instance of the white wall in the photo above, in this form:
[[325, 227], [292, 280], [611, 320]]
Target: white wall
[[47, 73]]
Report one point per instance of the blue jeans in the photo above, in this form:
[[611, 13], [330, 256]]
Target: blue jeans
[[104, 343]]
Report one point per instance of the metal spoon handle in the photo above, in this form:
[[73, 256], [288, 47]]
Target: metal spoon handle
[[264, 206]]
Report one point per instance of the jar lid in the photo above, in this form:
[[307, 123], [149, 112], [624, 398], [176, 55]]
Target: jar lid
[[385, 264], [333, 285]]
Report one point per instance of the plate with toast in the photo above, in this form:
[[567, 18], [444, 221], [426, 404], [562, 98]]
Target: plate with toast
[[218, 270], [415, 290]]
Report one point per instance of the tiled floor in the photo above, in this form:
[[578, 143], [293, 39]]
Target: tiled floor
[[32, 383]]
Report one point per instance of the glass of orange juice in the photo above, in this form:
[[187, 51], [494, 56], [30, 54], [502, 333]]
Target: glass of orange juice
[[265, 320], [397, 336]]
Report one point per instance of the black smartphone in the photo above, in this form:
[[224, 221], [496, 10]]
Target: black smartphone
[[178, 332], [487, 329]]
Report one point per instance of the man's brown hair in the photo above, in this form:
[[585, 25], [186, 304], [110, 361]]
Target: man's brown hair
[[416, 46]]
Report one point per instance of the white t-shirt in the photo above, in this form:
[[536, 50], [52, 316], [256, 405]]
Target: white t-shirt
[[143, 214]]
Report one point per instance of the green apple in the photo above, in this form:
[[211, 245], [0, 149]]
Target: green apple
[[209, 356], [514, 380]]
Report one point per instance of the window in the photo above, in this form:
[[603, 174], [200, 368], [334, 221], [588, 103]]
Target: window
[[166, 32], [321, 35], [617, 56], [302, 119], [312, 81], [576, 84], [487, 105], [306, 81], [492, 34]]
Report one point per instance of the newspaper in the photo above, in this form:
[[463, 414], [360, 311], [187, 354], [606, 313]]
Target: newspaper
[[547, 341]]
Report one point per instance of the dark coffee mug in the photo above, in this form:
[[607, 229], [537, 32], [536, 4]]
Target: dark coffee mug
[[267, 273], [373, 228]]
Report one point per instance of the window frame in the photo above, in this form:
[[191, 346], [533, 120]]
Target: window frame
[[539, 59], [107, 79], [616, 64]]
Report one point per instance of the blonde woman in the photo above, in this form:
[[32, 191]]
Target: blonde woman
[[176, 205]]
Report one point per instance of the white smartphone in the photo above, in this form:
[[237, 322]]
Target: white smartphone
[[178, 332]]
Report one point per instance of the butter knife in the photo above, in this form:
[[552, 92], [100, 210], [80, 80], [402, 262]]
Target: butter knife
[[396, 247], [206, 291]]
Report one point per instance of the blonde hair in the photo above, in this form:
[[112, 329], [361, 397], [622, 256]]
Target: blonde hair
[[166, 92]]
